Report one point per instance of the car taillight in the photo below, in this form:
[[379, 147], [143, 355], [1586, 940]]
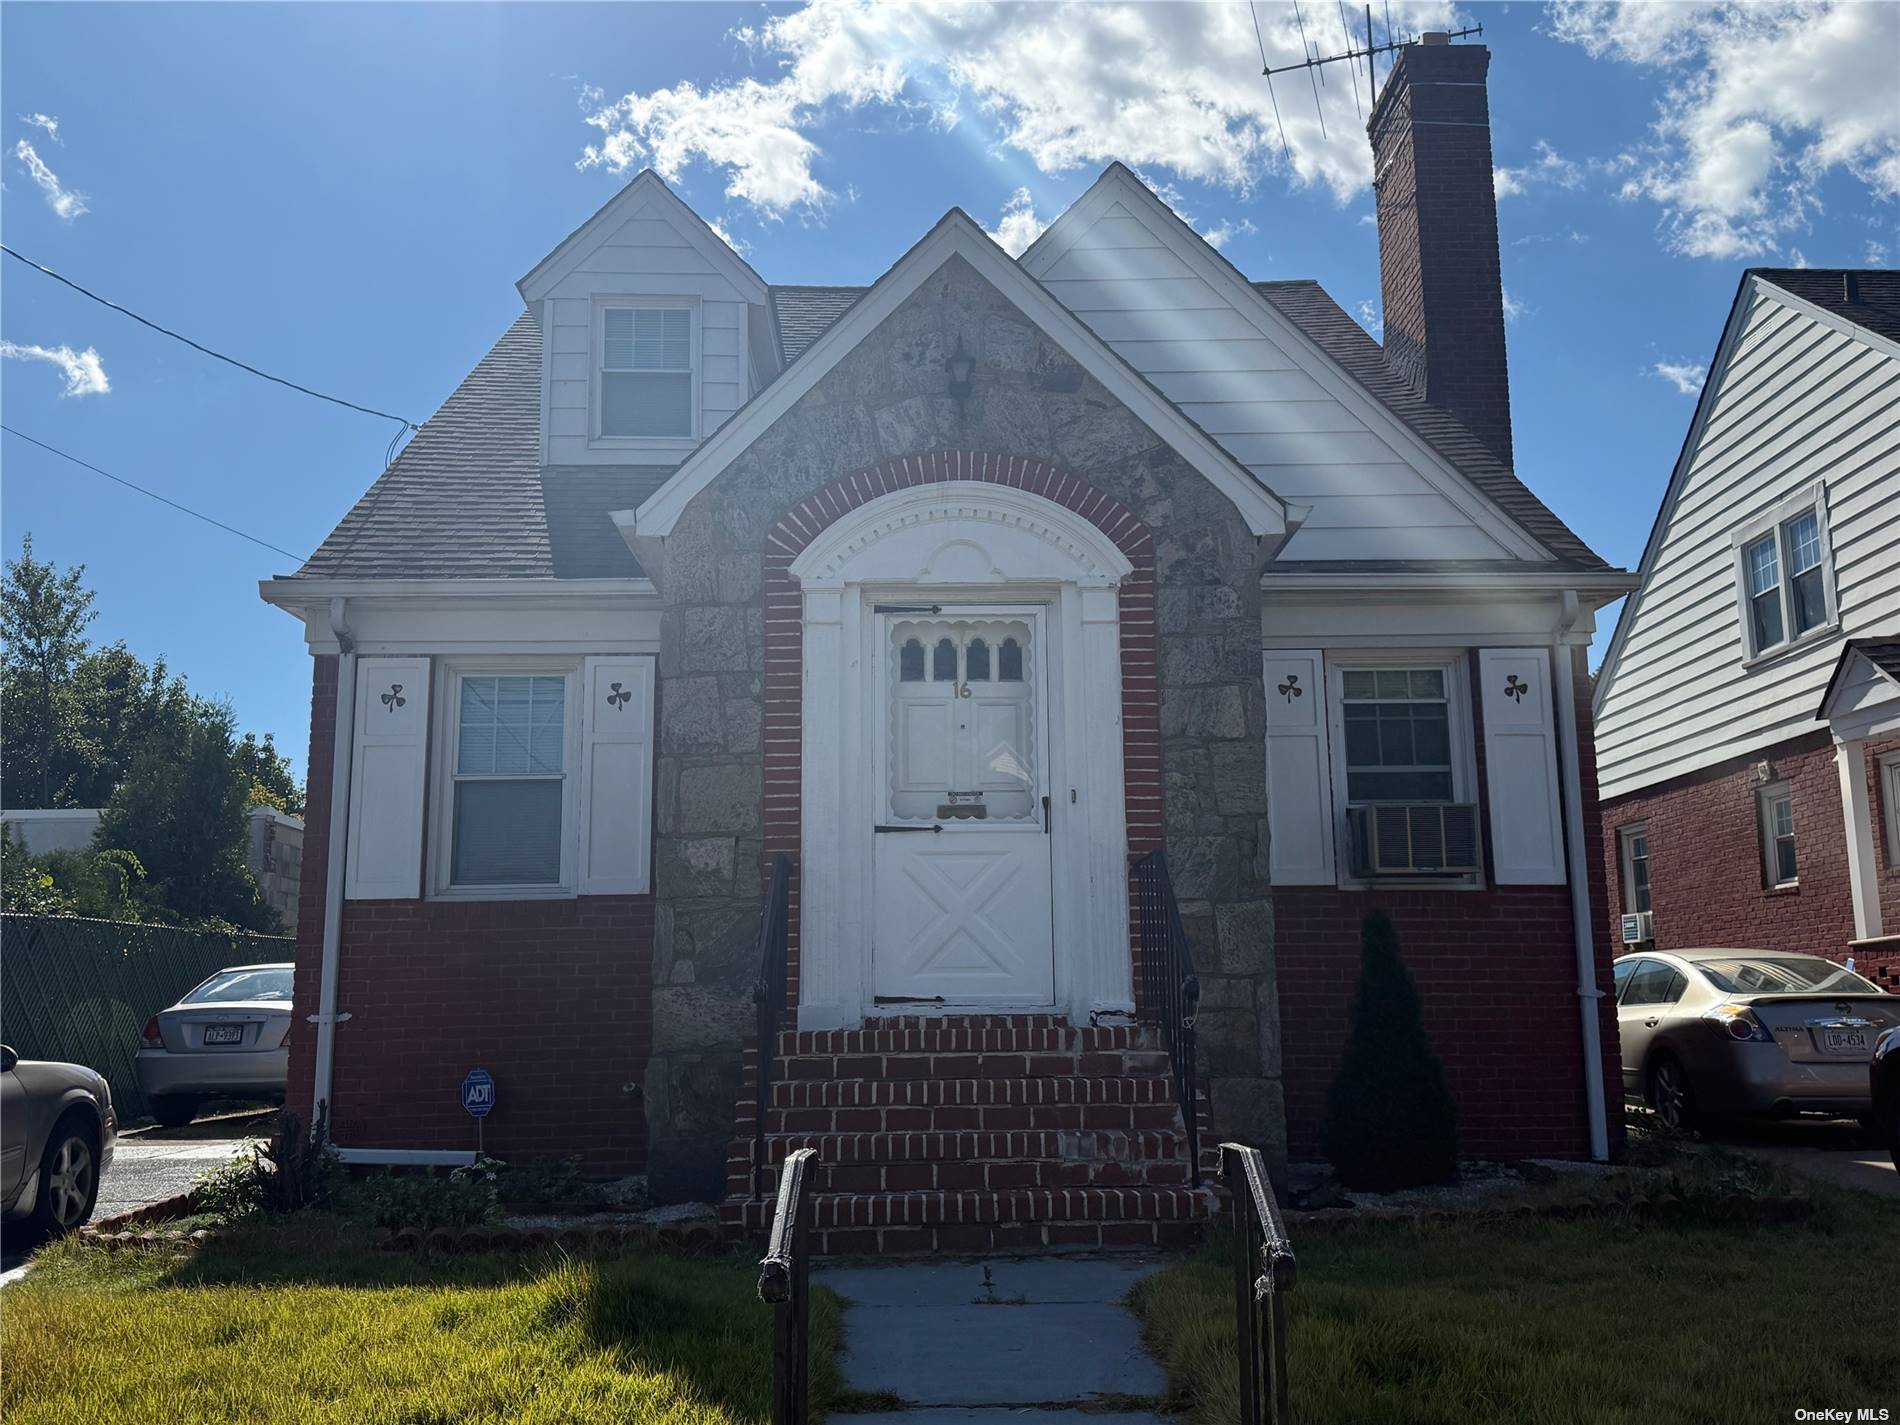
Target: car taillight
[[1738, 1023], [150, 1036]]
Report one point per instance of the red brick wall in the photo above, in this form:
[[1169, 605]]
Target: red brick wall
[[551, 996], [1705, 859], [1496, 970]]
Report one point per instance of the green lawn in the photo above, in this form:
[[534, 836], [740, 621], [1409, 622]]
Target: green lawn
[[299, 1321], [1604, 1320]]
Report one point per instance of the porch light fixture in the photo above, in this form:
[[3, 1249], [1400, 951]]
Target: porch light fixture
[[962, 370]]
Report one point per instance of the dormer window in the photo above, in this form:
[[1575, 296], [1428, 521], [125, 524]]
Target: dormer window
[[646, 372]]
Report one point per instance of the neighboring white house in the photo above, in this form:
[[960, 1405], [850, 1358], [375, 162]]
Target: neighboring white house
[[1748, 711]]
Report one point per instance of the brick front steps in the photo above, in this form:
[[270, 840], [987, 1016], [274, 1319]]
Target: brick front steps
[[974, 1134]]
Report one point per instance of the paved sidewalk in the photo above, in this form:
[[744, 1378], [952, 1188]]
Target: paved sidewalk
[[1034, 1344]]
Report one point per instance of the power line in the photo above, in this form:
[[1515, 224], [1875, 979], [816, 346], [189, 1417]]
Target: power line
[[403, 421], [153, 494]]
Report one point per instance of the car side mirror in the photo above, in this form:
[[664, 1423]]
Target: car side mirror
[[7, 1059]]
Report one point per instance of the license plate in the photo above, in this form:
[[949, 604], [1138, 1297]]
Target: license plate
[[224, 1034], [1843, 1041]]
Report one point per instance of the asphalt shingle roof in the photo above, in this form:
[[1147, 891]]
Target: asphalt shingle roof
[[1866, 296], [801, 315], [467, 497]]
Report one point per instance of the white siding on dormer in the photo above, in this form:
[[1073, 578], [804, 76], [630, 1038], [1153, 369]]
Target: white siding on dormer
[[1258, 400], [1796, 403], [645, 257]]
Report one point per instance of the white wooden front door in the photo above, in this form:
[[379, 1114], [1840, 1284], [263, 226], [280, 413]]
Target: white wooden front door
[[959, 799]]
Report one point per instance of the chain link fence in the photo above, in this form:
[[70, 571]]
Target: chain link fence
[[81, 990]]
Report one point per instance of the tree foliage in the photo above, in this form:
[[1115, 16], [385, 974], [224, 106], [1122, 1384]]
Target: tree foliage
[[99, 726], [1390, 1119]]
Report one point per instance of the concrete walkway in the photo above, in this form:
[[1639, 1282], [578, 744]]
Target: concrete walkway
[[1030, 1345]]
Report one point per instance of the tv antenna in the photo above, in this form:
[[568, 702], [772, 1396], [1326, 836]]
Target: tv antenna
[[1315, 63]]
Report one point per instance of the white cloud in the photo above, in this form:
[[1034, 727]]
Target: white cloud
[[1226, 230], [85, 373], [61, 199], [1019, 225], [1549, 169], [1372, 317], [1876, 253], [1685, 376], [1514, 309], [1174, 87], [725, 236], [1761, 102], [44, 121]]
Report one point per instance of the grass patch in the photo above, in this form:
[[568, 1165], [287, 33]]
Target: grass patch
[[299, 1320], [1606, 1319]]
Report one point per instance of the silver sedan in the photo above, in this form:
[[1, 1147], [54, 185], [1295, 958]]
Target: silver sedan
[[1738, 1033], [228, 1038], [56, 1136]]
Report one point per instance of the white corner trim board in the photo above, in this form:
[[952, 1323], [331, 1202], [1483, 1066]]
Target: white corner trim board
[[956, 235]]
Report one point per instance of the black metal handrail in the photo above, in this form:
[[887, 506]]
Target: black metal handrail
[[1170, 988], [768, 997], [1263, 1275], [785, 1284]]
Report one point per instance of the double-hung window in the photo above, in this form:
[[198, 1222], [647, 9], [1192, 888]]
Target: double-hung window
[[646, 372], [1398, 734], [509, 781], [1776, 808], [1784, 574], [1634, 841]]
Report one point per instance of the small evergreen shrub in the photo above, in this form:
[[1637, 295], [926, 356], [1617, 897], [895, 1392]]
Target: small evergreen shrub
[[1390, 1120]]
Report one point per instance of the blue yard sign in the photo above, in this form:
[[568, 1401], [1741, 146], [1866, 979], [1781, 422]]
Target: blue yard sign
[[478, 1093]]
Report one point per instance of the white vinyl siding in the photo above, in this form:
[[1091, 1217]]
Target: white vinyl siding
[[649, 260], [1796, 405], [1257, 398]]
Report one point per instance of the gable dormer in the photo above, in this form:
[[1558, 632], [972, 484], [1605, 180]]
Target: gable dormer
[[650, 328]]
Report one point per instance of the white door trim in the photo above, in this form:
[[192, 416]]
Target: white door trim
[[955, 543]]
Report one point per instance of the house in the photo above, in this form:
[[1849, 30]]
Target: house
[[964, 591], [273, 846], [1748, 709]]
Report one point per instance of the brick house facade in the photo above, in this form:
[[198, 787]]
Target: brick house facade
[[1066, 560]]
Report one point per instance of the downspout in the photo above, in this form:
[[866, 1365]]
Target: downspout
[[1579, 868], [343, 738]]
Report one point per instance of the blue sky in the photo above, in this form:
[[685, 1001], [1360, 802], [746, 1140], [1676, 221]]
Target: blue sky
[[346, 194]]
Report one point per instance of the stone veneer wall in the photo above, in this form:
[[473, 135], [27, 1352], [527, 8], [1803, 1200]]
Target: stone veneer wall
[[888, 398]]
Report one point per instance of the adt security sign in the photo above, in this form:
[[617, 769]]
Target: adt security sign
[[478, 1093]]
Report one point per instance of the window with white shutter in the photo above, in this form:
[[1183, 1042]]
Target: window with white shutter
[[1520, 765]]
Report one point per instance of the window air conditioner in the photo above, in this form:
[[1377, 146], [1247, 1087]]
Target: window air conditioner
[[1414, 839], [1639, 928]]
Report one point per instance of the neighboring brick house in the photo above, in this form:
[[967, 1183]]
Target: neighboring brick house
[[1061, 561], [1748, 710]]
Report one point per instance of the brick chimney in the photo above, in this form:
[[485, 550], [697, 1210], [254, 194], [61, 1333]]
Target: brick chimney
[[1438, 234]]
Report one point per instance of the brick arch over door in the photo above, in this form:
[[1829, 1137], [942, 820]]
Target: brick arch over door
[[785, 642]]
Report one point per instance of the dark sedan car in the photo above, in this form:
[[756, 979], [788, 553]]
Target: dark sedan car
[[1885, 1075]]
